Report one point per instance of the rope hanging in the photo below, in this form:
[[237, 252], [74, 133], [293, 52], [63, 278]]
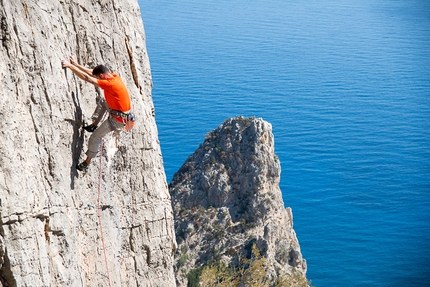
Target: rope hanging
[[99, 213]]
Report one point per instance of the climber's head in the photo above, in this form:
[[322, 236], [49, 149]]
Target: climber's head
[[100, 70]]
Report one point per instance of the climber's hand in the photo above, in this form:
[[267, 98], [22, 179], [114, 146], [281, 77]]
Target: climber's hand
[[73, 61], [65, 64]]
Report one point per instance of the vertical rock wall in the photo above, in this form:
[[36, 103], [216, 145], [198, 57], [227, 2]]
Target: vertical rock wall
[[50, 231]]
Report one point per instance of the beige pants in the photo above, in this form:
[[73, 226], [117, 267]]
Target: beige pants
[[106, 127]]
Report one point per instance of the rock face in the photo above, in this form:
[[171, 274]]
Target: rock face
[[50, 230], [226, 198]]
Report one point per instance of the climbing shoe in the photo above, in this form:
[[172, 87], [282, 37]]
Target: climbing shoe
[[82, 166], [90, 128]]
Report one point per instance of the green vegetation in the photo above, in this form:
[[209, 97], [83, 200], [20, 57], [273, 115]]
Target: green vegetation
[[293, 280], [248, 272], [183, 259], [193, 277]]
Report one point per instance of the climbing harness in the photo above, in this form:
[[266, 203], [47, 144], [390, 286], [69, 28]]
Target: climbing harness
[[127, 118]]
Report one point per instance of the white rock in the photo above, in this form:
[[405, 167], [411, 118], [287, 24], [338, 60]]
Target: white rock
[[50, 233]]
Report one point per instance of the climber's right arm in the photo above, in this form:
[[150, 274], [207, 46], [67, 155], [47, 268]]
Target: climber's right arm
[[86, 70], [81, 73]]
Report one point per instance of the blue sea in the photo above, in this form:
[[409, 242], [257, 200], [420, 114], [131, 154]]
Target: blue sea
[[346, 86]]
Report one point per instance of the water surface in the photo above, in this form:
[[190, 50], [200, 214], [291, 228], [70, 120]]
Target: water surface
[[346, 86]]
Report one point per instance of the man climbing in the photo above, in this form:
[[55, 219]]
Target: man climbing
[[116, 101]]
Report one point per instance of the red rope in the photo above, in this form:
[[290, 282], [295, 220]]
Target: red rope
[[99, 213]]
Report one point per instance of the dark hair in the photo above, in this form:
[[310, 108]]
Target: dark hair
[[100, 69]]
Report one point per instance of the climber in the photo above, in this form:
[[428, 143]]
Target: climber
[[116, 101]]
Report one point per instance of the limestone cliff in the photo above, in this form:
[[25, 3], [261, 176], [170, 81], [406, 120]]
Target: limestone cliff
[[226, 198], [50, 232]]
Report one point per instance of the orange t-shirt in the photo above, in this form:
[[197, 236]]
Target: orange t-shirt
[[116, 94]]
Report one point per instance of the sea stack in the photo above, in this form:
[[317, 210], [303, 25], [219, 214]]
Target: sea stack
[[226, 199]]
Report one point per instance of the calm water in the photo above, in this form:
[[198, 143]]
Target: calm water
[[346, 86]]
